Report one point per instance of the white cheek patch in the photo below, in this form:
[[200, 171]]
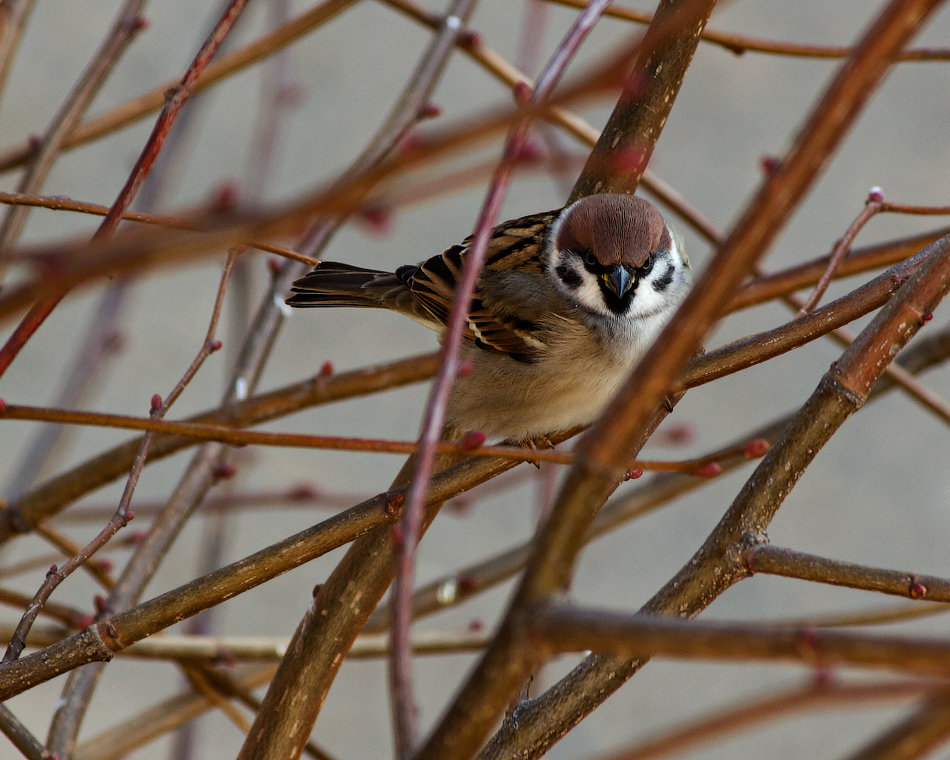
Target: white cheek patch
[[589, 294], [646, 300]]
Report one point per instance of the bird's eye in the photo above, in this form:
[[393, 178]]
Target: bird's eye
[[647, 266], [589, 258]]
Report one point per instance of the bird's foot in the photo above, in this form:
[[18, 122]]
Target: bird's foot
[[537, 443]]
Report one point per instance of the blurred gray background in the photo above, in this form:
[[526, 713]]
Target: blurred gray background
[[877, 494]]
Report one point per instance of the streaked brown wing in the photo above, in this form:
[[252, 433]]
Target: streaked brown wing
[[513, 247], [505, 333]]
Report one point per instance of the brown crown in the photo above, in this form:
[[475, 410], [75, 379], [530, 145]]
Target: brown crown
[[616, 228]]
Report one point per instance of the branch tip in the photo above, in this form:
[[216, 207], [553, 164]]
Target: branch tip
[[224, 471], [756, 448], [708, 470], [770, 164], [430, 111], [136, 24]]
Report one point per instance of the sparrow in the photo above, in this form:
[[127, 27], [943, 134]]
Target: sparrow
[[566, 304]]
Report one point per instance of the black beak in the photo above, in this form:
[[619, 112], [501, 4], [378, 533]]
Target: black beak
[[617, 280]]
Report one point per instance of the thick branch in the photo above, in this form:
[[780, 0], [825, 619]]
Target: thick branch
[[627, 140], [561, 628]]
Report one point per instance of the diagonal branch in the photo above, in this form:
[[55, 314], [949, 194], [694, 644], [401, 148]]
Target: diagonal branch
[[597, 470]]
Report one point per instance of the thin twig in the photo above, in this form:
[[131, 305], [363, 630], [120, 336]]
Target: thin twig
[[872, 206], [763, 288], [127, 24], [14, 15], [173, 221], [69, 616], [98, 569], [740, 44], [48, 499], [214, 650], [765, 708], [775, 560], [153, 100], [174, 102], [234, 437], [400, 663], [20, 736], [123, 514], [78, 690], [597, 678], [303, 494]]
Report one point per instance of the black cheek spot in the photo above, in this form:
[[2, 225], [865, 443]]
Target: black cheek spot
[[568, 275], [662, 282]]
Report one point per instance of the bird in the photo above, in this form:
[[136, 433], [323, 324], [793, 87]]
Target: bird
[[566, 304]]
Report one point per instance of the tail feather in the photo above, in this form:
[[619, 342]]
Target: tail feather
[[336, 284]]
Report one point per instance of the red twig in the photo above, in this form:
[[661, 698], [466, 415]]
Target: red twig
[[20, 736], [240, 437], [740, 44], [123, 514], [175, 100], [874, 205], [127, 24], [57, 575], [400, 660]]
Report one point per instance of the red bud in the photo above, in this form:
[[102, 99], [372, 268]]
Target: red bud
[[473, 439], [376, 217], [770, 165], [224, 471], [756, 448], [708, 470], [430, 111]]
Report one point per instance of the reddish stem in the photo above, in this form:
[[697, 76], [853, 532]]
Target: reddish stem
[[175, 100], [400, 660]]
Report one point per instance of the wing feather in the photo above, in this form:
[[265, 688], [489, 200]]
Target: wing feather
[[513, 247], [425, 291]]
